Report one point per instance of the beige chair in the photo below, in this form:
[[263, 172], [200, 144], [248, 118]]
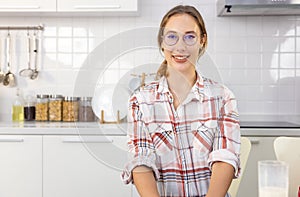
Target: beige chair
[[287, 149], [245, 150]]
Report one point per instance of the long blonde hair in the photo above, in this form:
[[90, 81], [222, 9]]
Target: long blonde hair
[[180, 9]]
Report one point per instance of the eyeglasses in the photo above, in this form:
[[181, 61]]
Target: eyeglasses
[[171, 38]]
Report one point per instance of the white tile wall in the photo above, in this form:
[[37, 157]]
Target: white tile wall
[[257, 57]]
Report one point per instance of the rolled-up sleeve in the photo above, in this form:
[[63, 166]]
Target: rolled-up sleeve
[[141, 148], [226, 145]]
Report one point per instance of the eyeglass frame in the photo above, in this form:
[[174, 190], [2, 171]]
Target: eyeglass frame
[[183, 38]]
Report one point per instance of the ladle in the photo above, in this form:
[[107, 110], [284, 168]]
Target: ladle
[[9, 78], [2, 74], [28, 71], [35, 72]]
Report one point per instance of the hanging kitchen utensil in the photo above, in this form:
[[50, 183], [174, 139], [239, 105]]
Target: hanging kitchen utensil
[[28, 71], [2, 74], [9, 79], [36, 52]]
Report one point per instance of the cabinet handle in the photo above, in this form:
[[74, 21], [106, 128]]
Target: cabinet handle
[[12, 140], [98, 7], [72, 140], [20, 7]]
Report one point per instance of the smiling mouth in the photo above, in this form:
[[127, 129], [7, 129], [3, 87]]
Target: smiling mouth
[[180, 58]]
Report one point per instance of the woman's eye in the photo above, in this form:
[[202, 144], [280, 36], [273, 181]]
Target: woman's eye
[[172, 36], [190, 36]]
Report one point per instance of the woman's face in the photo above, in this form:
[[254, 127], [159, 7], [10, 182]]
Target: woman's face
[[181, 43]]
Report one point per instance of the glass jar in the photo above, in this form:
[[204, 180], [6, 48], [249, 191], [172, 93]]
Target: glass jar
[[29, 109], [55, 107], [41, 107], [18, 107], [86, 113], [70, 109]]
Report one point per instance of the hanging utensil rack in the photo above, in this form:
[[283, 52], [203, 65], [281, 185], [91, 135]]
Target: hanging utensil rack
[[38, 27]]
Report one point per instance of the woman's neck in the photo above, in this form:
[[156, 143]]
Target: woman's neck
[[180, 84]]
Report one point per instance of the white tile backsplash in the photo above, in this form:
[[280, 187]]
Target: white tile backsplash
[[270, 26], [254, 44], [287, 44], [257, 57], [287, 60]]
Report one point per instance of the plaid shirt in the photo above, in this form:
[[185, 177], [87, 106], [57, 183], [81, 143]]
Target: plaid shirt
[[181, 145]]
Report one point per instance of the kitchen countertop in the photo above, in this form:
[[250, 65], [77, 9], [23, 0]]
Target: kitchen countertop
[[61, 128], [94, 128]]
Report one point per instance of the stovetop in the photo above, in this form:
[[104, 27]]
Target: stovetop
[[268, 124]]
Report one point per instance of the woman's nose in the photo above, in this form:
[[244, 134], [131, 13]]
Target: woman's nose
[[180, 45]]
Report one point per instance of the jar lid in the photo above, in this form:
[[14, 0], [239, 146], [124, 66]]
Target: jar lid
[[86, 98], [56, 96], [71, 98], [30, 100], [41, 96]]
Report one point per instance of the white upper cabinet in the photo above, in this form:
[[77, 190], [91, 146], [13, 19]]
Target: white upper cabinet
[[27, 6], [70, 7], [97, 5]]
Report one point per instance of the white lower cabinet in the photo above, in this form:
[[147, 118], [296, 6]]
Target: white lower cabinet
[[20, 166], [262, 149], [81, 166]]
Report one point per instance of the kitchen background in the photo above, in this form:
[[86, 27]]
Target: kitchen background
[[256, 57]]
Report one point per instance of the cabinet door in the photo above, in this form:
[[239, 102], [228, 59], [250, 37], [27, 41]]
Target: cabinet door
[[20, 166], [27, 5], [262, 149], [97, 6], [81, 166]]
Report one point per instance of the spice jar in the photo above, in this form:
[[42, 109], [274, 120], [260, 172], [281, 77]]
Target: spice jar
[[55, 107], [41, 107], [29, 109], [86, 113], [70, 109]]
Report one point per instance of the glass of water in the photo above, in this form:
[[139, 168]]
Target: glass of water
[[273, 178]]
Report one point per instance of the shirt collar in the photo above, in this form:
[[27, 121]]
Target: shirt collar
[[197, 90]]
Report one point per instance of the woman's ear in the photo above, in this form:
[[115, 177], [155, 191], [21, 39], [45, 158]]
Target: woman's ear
[[203, 40]]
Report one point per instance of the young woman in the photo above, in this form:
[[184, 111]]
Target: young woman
[[184, 135]]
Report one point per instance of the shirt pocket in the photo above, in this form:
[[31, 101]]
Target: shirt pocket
[[204, 133], [162, 138]]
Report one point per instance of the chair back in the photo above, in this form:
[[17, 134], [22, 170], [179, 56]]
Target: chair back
[[287, 149], [245, 150]]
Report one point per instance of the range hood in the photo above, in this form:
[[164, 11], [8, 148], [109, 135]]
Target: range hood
[[258, 7]]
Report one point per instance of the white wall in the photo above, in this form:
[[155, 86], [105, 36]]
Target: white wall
[[257, 57]]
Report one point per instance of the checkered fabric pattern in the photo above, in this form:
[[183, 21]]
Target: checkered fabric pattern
[[180, 145]]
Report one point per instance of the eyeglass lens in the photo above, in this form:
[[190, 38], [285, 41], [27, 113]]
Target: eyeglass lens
[[171, 38]]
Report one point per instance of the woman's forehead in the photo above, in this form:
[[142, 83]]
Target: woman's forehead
[[182, 23]]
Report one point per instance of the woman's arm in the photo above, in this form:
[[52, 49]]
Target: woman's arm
[[222, 175], [144, 181]]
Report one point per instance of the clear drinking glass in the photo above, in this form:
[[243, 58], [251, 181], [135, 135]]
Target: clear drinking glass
[[273, 179]]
